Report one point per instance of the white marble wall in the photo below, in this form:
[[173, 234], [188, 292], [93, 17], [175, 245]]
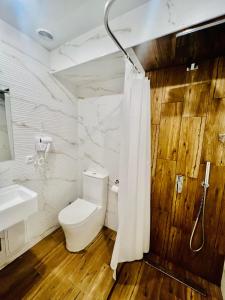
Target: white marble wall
[[99, 138], [154, 19], [99, 77], [40, 105]]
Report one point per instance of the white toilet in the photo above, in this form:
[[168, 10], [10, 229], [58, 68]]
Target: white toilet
[[83, 219]]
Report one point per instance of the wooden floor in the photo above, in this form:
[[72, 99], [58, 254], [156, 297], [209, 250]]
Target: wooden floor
[[49, 271]]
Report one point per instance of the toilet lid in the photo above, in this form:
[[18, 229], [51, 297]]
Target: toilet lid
[[76, 212]]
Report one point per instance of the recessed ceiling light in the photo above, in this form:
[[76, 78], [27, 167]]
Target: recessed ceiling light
[[45, 34]]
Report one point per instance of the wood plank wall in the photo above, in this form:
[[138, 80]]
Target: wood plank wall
[[188, 113]]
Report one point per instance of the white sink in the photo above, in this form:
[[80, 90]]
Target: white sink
[[17, 203]]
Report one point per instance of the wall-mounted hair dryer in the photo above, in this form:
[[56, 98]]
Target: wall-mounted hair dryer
[[42, 146]]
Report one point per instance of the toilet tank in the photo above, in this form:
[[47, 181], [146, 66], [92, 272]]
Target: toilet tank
[[95, 187]]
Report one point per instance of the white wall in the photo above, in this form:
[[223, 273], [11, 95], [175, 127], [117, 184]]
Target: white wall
[[99, 137], [40, 105]]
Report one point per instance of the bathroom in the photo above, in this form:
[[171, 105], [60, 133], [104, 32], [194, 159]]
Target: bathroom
[[112, 149]]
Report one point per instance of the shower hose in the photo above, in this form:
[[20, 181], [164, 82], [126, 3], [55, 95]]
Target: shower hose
[[201, 211]]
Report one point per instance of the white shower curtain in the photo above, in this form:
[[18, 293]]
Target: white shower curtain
[[133, 233]]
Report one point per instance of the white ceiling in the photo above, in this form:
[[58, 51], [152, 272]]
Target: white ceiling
[[64, 18]]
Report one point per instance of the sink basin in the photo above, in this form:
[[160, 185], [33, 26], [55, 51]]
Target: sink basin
[[17, 203]]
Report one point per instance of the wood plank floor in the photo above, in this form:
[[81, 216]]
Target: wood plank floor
[[49, 271]]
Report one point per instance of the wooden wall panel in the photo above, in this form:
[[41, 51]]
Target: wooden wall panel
[[163, 187], [209, 262], [215, 203], [160, 223], [169, 132], [190, 114], [220, 242], [196, 100], [190, 146], [183, 205], [175, 85], [220, 80], [170, 50], [203, 74], [157, 92], [213, 149], [154, 146], [174, 94]]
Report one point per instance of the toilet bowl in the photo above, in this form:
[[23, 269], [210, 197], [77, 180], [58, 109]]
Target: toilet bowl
[[82, 220]]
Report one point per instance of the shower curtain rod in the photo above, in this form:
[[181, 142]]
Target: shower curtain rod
[[108, 5]]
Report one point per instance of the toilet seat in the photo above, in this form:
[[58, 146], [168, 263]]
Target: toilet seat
[[77, 212]]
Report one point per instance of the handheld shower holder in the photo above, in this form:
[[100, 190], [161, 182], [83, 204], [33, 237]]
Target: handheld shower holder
[[205, 185]]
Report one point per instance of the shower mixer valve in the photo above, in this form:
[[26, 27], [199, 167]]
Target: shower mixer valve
[[179, 183]]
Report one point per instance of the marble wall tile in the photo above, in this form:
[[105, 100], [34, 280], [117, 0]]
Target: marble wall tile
[[99, 77], [149, 21], [40, 105], [99, 136]]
